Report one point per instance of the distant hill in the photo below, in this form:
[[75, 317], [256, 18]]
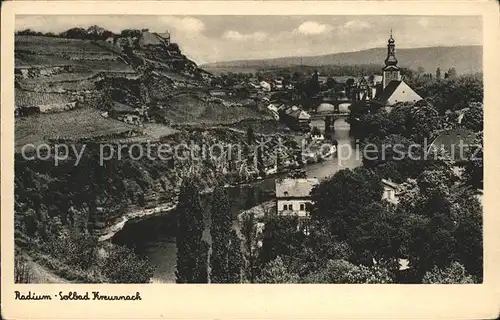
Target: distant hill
[[465, 59]]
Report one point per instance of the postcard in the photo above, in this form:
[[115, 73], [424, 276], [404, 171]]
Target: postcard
[[249, 160]]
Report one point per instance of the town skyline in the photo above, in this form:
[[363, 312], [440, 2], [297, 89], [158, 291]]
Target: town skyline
[[207, 39]]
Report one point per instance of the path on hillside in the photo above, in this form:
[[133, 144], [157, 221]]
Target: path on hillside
[[41, 274]]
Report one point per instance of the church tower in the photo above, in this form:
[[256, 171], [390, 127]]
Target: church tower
[[391, 69]]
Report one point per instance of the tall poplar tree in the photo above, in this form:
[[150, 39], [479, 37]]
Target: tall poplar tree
[[220, 230], [190, 247]]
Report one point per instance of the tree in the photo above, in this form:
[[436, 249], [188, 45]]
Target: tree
[[425, 121], [132, 33], [452, 73], [250, 135], [260, 161], [474, 167], [235, 260], [281, 238], [454, 274], [190, 249], [438, 73], [220, 230], [473, 117], [23, 273], [468, 214], [373, 125], [75, 33], [275, 271], [420, 70], [342, 271], [249, 233], [123, 266], [314, 86], [338, 201]]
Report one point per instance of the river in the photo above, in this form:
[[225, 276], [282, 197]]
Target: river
[[154, 236]]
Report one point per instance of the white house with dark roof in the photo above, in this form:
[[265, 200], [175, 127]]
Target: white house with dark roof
[[294, 195]]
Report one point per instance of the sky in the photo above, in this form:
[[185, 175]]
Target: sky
[[222, 38]]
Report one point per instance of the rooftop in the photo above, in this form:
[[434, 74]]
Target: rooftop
[[390, 184], [387, 92], [298, 188]]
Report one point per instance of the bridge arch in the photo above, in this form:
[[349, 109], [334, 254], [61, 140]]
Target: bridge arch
[[331, 112]]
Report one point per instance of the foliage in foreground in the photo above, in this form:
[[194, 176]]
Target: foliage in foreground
[[454, 274]]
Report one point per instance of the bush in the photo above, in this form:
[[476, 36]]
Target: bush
[[70, 273], [22, 270], [124, 266], [76, 249], [454, 274]]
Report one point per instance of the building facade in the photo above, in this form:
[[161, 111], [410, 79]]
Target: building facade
[[293, 197]]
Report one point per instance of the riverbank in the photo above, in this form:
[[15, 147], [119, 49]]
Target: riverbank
[[110, 231], [154, 237]]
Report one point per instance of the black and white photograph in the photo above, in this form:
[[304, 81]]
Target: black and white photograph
[[248, 149]]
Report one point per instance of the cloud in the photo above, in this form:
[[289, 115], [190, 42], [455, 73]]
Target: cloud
[[237, 36], [357, 24], [312, 28], [186, 24], [423, 22]]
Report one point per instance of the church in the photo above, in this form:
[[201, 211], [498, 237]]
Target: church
[[393, 89]]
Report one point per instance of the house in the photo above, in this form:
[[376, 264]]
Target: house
[[295, 118], [391, 191], [393, 89], [293, 197], [278, 84], [153, 39], [274, 110], [265, 86], [164, 36]]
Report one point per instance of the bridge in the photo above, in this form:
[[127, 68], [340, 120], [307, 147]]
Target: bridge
[[331, 110]]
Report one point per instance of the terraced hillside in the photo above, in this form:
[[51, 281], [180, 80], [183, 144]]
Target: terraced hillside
[[58, 74], [47, 52]]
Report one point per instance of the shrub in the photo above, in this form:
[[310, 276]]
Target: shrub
[[22, 269], [124, 266]]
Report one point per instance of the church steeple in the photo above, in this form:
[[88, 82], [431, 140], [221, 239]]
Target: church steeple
[[391, 52], [391, 69]]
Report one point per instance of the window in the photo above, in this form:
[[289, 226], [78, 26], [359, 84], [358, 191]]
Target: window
[[302, 206], [285, 207], [290, 207]]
